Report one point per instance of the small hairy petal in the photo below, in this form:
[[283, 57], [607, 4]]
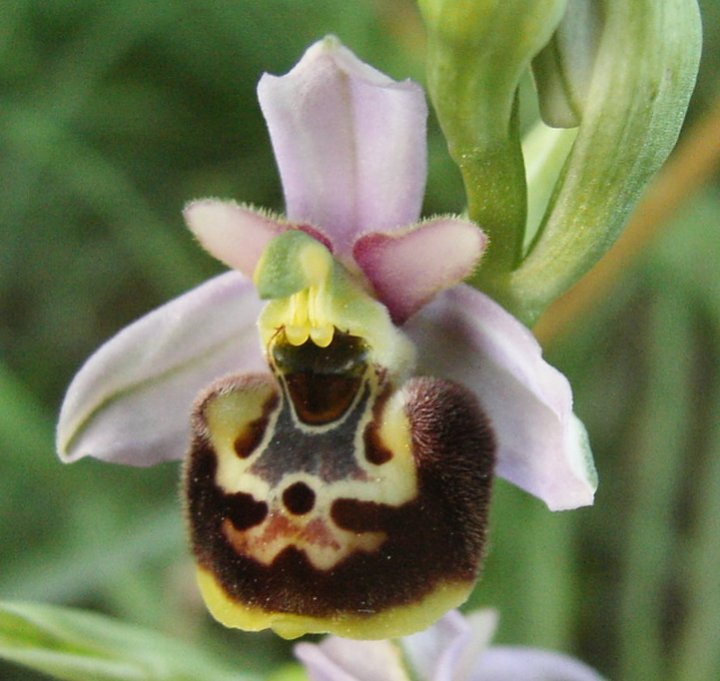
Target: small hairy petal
[[131, 401], [234, 234], [542, 447], [339, 659], [408, 268], [500, 663], [349, 143]]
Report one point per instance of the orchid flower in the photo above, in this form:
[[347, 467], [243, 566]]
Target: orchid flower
[[456, 648], [343, 490]]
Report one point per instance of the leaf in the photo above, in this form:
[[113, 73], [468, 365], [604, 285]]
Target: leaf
[[81, 646]]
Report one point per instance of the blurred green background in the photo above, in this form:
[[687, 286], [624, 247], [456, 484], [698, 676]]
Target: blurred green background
[[112, 116]]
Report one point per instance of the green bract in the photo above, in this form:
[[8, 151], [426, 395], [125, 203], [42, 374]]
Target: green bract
[[623, 70]]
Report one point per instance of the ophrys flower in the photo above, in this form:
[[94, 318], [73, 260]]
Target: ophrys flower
[[344, 490]]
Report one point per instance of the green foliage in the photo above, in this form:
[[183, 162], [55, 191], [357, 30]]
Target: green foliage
[[79, 646], [624, 70], [113, 116], [645, 372]]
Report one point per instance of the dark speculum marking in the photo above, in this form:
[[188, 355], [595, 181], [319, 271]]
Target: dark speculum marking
[[249, 438], [328, 455], [244, 512], [375, 451], [299, 498], [321, 399], [437, 537], [321, 382]]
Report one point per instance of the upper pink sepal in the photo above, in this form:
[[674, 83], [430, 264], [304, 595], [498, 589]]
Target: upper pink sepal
[[407, 268], [542, 446], [131, 401], [349, 143]]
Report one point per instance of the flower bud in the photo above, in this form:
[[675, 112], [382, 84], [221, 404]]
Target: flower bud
[[478, 51], [563, 68]]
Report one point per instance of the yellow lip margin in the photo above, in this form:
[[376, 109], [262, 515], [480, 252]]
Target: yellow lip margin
[[393, 622]]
